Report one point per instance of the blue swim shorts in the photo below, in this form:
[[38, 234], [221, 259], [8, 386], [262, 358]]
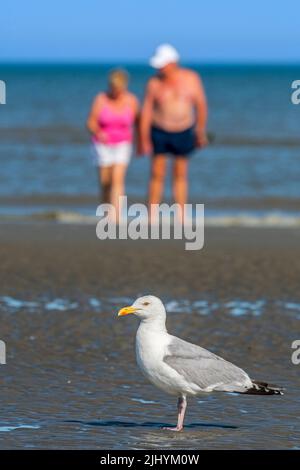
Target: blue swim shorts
[[174, 143]]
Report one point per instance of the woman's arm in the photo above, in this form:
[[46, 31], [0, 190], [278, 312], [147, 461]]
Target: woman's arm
[[92, 123], [135, 105]]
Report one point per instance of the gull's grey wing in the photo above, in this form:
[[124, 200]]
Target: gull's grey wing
[[205, 369]]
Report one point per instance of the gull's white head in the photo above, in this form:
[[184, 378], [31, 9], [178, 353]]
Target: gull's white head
[[147, 307]]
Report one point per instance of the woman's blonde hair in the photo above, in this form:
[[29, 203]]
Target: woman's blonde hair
[[118, 78]]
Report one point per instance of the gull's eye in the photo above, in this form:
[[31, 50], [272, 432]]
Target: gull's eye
[[146, 303]]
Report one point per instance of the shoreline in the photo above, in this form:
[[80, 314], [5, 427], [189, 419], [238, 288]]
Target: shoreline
[[42, 257], [91, 200]]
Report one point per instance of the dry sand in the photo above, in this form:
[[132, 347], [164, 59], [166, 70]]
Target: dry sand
[[235, 262]]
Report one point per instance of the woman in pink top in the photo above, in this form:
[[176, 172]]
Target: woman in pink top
[[111, 122]]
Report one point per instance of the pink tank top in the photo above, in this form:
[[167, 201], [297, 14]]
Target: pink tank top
[[116, 124]]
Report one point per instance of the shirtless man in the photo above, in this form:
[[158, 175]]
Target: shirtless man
[[173, 122]]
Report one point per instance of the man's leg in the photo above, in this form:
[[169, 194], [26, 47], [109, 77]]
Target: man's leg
[[157, 180], [180, 181]]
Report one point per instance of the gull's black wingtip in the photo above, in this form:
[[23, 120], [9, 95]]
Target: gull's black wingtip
[[264, 388]]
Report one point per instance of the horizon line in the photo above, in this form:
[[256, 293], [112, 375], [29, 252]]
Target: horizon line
[[130, 62]]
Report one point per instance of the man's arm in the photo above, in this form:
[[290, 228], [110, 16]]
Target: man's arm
[[201, 112], [146, 120]]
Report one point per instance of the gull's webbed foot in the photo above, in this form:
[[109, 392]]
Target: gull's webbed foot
[[176, 429]]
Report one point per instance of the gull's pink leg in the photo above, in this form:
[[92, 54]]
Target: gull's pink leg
[[182, 403]]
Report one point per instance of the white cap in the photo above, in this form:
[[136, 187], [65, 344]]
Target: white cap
[[164, 55]]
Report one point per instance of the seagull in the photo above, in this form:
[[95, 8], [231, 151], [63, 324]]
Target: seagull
[[181, 368]]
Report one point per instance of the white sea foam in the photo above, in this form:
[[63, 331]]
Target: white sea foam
[[272, 218], [238, 308], [238, 219], [94, 302], [60, 304], [234, 307], [20, 426], [144, 402], [16, 303]]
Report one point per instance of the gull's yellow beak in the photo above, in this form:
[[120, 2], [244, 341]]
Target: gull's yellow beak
[[126, 311]]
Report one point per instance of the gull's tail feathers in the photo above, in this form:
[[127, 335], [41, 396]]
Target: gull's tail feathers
[[263, 388]]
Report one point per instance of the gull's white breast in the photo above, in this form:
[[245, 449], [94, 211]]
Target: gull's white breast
[[151, 347]]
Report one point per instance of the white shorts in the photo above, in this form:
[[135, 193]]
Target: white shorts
[[107, 155]]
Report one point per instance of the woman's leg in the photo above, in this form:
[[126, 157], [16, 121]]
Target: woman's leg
[[105, 180], [118, 186], [157, 180], [180, 182]]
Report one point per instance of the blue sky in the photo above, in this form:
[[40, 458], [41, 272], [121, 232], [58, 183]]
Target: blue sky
[[108, 30]]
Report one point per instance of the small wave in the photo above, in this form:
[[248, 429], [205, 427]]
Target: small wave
[[20, 426], [95, 303], [65, 217], [238, 308], [52, 134], [254, 141], [144, 402], [204, 307], [272, 219], [243, 219], [175, 306], [234, 307], [60, 304], [292, 306], [16, 303]]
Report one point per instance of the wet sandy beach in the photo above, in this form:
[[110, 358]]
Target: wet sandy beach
[[71, 380]]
